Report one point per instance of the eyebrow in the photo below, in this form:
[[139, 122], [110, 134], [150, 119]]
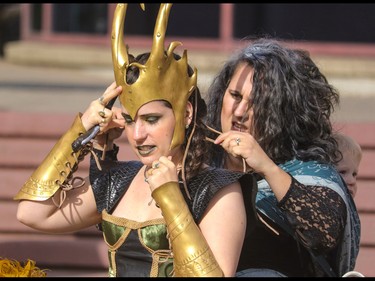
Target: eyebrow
[[142, 115]]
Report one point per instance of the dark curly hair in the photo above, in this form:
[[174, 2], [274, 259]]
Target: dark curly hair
[[197, 153], [292, 103]]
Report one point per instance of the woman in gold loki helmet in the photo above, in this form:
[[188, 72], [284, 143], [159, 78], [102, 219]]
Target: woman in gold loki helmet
[[196, 226]]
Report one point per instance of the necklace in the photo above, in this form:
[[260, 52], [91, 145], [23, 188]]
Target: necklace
[[146, 180]]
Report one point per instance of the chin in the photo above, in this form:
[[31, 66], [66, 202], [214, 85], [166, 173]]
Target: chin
[[146, 160]]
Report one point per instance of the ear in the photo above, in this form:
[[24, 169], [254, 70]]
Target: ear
[[188, 114]]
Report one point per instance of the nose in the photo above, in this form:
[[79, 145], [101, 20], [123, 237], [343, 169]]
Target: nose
[[139, 132], [242, 109], [350, 180]]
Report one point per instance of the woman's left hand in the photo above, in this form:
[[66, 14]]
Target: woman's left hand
[[161, 172]]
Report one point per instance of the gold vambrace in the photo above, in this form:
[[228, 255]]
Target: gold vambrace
[[192, 256], [55, 168]]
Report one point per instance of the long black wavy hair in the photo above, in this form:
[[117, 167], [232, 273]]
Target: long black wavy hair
[[197, 152], [292, 103]]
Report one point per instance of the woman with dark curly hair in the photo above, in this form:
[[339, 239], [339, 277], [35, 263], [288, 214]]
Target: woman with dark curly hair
[[273, 106]]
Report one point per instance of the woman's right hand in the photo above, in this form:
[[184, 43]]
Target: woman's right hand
[[96, 113], [113, 130], [243, 145]]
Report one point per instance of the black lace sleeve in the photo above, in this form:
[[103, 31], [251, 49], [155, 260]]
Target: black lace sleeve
[[316, 213]]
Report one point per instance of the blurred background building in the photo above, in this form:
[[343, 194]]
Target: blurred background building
[[203, 26]]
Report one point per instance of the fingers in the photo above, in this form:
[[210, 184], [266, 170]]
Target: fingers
[[111, 124], [155, 164], [111, 92], [229, 141], [235, 143], [222, 137], [117, 123], [164, 164], [232, 138], [104, 115], [96, 113], [161, 172], [105, 120], [111, 116], [238, 141], [245, 148]]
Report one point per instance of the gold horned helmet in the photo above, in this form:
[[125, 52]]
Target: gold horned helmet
[[162, 77]]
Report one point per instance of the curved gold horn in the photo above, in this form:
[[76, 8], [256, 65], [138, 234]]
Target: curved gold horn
[[120, 56], [160, 29]]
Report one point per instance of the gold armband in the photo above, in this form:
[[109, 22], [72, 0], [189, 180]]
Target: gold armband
[[55, 168], [192, 256]]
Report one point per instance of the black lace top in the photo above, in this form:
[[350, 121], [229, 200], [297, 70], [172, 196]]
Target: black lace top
[[319, 226]]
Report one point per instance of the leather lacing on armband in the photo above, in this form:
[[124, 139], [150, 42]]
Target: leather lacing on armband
[[96, 158], [160, 257], [165, 254], [70, 182], [64, 188]]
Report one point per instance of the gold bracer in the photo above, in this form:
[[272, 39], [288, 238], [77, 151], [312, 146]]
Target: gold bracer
[[55, 168], [192, 256]]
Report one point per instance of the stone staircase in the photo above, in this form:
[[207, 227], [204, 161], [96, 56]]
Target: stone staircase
[[23, 147]]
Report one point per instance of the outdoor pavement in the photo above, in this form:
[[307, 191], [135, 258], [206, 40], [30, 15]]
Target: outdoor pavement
[[34, 78]]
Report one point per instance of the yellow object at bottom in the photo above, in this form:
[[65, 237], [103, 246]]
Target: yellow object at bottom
[[13, 268]]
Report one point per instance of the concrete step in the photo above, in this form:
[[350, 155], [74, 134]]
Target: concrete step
[[85, 56], [56, 251]]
